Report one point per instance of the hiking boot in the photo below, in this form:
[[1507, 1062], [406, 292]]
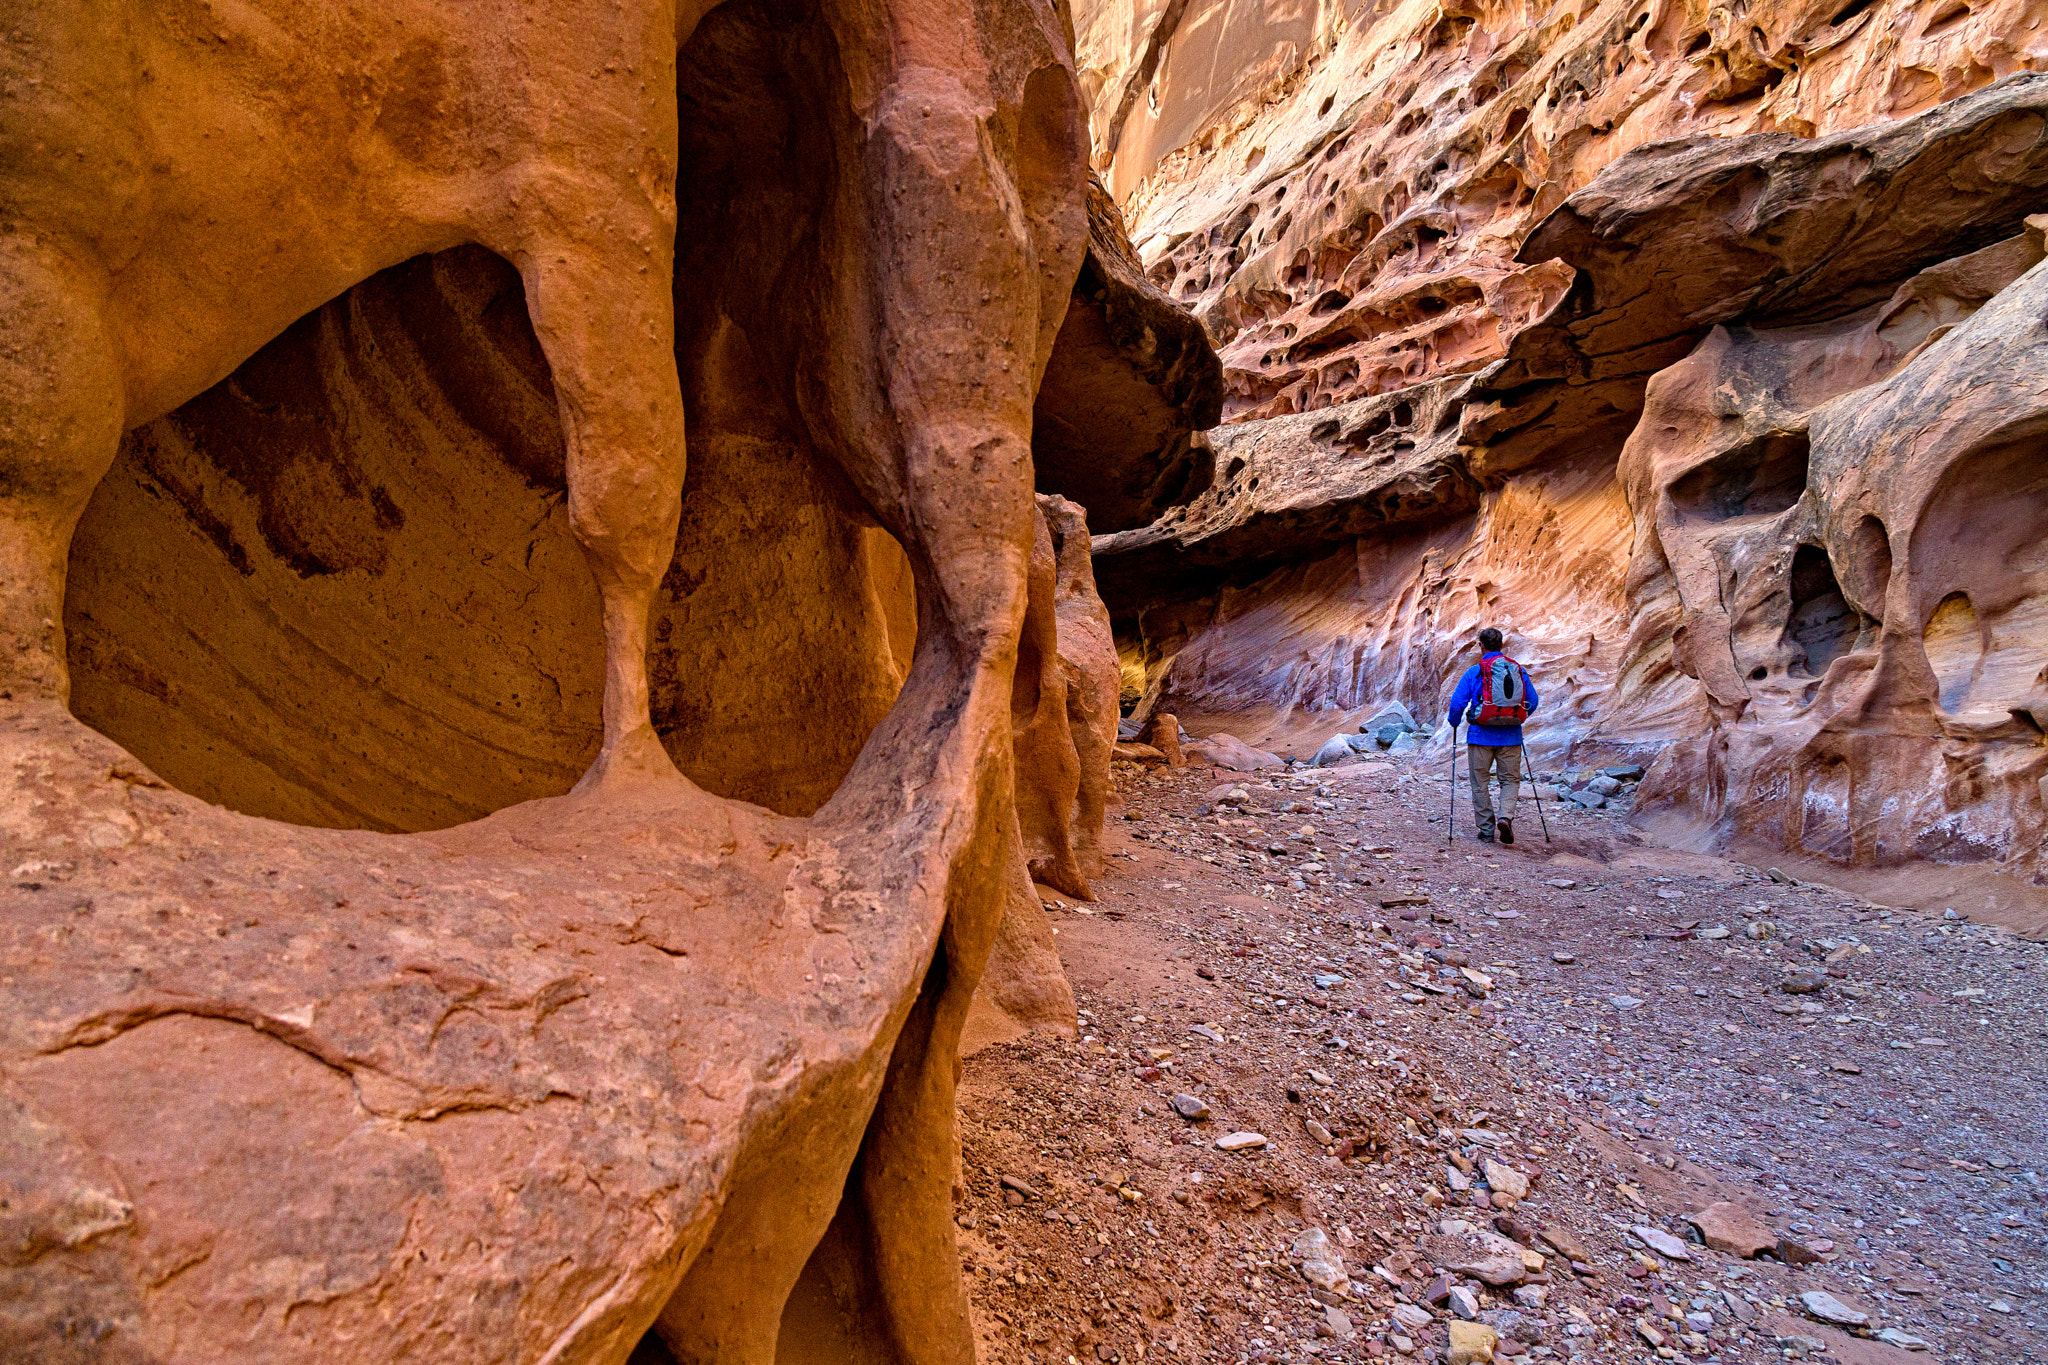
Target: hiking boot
[[1486, 832], [1507, 831]]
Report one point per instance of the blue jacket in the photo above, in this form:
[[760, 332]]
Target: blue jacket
[[1465, 705]]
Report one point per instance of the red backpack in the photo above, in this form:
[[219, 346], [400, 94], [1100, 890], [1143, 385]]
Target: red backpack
[[1503, 691]]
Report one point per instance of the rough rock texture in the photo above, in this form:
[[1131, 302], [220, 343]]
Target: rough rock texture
[[1755, 500], [1342, 193], [1776, 230], [400, 536], [1132, 385]]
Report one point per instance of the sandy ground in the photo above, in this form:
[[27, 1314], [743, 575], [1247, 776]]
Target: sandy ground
[[1569, 1011]]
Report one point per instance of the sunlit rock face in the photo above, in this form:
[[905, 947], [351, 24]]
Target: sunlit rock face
[[1757, 494], [1340, 192]]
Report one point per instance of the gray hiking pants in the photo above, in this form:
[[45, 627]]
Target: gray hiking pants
[[1484, 760]]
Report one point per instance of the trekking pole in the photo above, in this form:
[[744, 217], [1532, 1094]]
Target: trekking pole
[[1451, 829], [1536, 793]]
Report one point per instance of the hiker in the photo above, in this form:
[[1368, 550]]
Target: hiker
[[1493, 698]]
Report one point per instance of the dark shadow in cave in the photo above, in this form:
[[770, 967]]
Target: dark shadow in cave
[[1822, 623]]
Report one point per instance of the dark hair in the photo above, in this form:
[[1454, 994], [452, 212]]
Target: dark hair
[[1489, 639]]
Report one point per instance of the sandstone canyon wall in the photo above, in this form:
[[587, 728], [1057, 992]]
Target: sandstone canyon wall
[[480, 884], [1618, 326]]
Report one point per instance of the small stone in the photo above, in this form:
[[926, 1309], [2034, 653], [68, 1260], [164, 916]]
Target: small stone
[[1662, 1242], [1564, 959], [1700, 1322], [1827, 1308], [1561, 883], [1322, 1265], [1733, 1229], [1472, 1343], [1013, 1183], [1715, 934], [1565, 1243], [1463, 1302], [1905, 1341], [1241, 1142], [1623, 1002], [1803, 982], [1503, 1179], [1793, 1252], [1190, 1107], [1479, 1254], [1321, 1135], [1999, 1306], [1530, 1295], [1338, 1321], [1649, 1333], [1413, 1318], [1319, 1078], [1206, 1031]]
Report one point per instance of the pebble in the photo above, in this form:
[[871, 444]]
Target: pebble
[[1623, 1002], [1803, 982], [1463, 1302], [1413, 1318], [1827, 1308], [1564, 959], [1205, 1031], [1662, 1242], [1506, 1180], [1190, 1107], [1905, 1341], [1241, 1142]]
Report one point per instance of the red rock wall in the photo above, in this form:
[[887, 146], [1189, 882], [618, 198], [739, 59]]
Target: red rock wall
[[1340, 191]]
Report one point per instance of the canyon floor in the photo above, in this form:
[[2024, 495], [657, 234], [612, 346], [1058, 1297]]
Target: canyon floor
[[1419, 1028]]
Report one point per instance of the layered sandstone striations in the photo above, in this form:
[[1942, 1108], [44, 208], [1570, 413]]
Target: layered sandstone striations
[[516, 899], [1757, 497], [1342, 193]]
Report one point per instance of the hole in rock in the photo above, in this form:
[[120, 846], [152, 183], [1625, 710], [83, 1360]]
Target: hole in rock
[[1871, 566], [1822, 624], [339, 587], [1980, 554], [1703, 41], [1849, 11], [1324, 112], [1759, 673], [1404, 414], [1764, 478], [1323, 431], [1955, 647]]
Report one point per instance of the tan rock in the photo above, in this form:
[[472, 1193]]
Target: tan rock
[[1505, 1179], [1733, 1229], [1471, 1343]]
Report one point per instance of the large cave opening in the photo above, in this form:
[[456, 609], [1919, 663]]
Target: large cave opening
[[339, 587]]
